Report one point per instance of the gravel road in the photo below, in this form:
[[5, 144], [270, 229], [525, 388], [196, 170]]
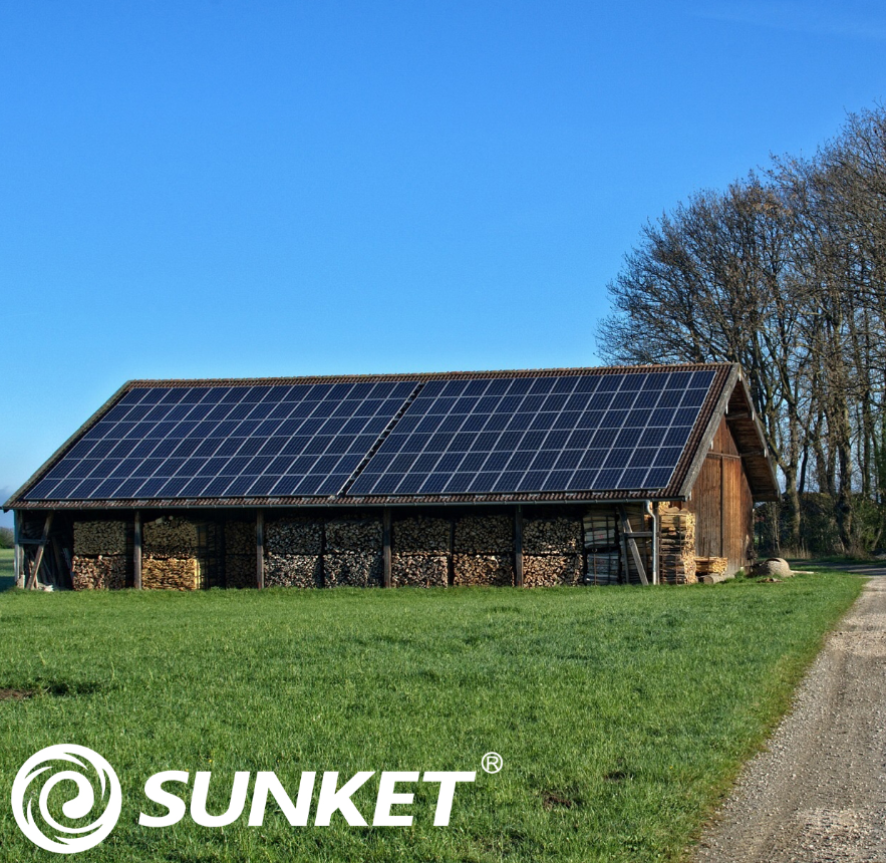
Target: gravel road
[[818, 794]]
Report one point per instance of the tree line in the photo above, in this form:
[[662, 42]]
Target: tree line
[[785, 273]]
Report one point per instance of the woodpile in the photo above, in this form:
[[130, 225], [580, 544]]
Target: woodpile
[[676, 545], [104, 572], [421, 536], [240, 556], [292, 553], [291, 570], [352, 569], [551, 570], [711, 569], [241, 570], [419, 570], [353, 535], [170, 573], [493, 570], [552, 536], [489, 534], [294, 536], [174, 555], [100, 537]]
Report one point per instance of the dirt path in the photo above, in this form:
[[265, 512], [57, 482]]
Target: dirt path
[[818, 794]]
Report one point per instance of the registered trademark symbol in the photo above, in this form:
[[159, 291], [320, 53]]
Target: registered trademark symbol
[[492, 762]]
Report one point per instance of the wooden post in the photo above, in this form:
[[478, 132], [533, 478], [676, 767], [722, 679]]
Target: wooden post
[[386, 547], [32, 580], [518, 546], [18, 563], [260, 549], [137, 551]]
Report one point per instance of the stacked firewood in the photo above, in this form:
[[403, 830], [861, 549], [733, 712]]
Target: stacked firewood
[[420, 548], [551, 570], [484, 550], [493, 570], [103, 572], [353, 555], [100, 537], [551, 549], [292, 553], [170, 573], [708, 569], [552, 536], [240, 557], [419, 570], [484, 534], [677, 545], [101, 558], [172, 554]]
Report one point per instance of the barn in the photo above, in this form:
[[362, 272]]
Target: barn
[[579, 476]]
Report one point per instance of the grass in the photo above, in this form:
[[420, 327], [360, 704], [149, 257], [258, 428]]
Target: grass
[[622, 714]]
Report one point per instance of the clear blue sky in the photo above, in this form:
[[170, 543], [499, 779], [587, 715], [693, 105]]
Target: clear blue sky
[[210, 189]]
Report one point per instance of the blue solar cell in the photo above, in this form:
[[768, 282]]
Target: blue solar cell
[[593, 458], [532, 480], [568, 460], [459, 483], [657, 478], [557, 480], [632, 478], [582, 480], [607, 479]]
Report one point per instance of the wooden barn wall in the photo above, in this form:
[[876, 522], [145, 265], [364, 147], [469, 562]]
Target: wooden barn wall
[[723, 505]]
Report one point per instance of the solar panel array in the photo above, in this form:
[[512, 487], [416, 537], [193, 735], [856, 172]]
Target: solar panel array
[[567, 433], [241, 441], [588, 433]]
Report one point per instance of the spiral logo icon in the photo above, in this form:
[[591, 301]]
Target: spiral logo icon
[[94, 774]]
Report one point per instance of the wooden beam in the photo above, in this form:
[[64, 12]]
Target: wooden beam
[[629, 539], [32, 580], [386, 547], [137, 551], [260, 549], [739, 415], [18, 563], [518, 546]]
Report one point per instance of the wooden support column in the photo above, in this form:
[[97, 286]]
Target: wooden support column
[[518, 546], [260, 549], [32, 580], [137, 552], [386, 547], [18, 562], [629, 543]]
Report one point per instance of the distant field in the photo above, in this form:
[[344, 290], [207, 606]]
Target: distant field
[[7, 577], [621, 713]]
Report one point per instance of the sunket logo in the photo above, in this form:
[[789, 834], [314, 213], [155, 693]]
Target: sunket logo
[[331, 798]]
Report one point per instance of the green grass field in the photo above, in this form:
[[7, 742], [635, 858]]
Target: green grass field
[[621, 713]]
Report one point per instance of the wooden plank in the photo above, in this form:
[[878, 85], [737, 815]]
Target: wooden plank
[[32, 580], [137, 552], [631, 542], [518, 546], [18, 563], [260, 549], [386, 547]]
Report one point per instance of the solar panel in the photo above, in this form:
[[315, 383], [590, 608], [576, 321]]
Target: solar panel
[[238, 441], [571, 433]]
